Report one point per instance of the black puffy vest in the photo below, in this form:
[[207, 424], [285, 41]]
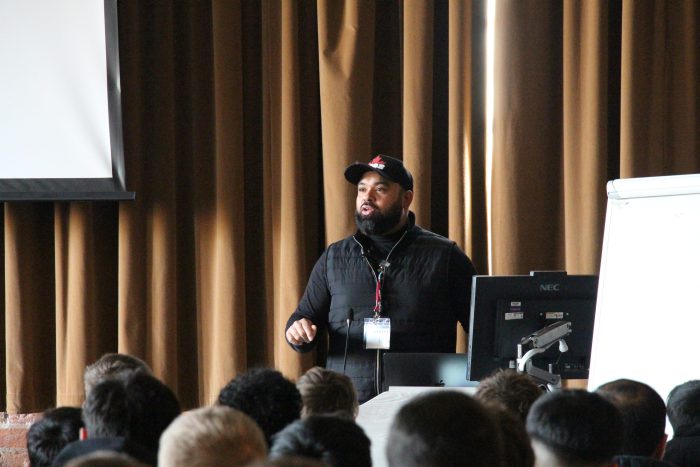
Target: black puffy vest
[[415, 296]]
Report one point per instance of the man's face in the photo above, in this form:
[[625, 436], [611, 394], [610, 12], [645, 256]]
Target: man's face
[[381, 205]]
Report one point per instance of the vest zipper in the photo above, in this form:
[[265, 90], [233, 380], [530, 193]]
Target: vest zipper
[[362, 252], [378, 364]]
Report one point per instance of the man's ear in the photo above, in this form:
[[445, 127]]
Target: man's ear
[[82, 434], [660, 448], [407, 198]]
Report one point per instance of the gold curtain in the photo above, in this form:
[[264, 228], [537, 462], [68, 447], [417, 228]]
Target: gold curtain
[[526, 211], [239, 118], [660, 97], [590, 127], [585, 91]]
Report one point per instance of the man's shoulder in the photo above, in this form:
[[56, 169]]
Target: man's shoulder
[[342, 247], [415, 232], [351, 241], [431, 237], [425, 239]]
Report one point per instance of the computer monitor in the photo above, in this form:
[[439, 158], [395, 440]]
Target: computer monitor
[[505, 309]]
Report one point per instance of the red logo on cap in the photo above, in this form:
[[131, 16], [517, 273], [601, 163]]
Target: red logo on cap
[[377, 163]]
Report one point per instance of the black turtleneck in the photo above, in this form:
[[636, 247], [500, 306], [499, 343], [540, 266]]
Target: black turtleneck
[[378, 247]]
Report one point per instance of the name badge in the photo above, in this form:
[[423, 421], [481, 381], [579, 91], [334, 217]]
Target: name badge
[[377, 333]]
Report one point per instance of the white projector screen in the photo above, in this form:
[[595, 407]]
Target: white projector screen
[[60, 108], [647, 308]]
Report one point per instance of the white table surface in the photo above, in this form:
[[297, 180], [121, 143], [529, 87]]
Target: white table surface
[[376, 414]]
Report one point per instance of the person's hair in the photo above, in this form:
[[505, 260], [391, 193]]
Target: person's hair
[[134, 405], [266, 396], [211, 436], [48, 435], [337, 441], [683, 407], [643, 415], [288, 461], [517, 450], [105, 459], [443, 429], [327, 392], [515, 391], [576, 426], [110, 365]]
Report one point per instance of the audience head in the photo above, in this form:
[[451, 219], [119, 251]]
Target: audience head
[[211, 436], [684, 407], [327, 392], [266, 396], [47, 436], [336, 441], [289, 461], [574, 428], [517, 450], [105, 459], [643, 416], [135, 406], [110, 365], [513, 390], [443, 429]]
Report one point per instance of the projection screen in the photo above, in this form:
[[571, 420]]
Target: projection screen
[[60, 101]]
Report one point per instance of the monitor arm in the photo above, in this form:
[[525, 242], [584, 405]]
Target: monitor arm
[[539, 342]]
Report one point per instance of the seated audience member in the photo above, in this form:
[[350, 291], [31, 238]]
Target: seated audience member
[[514, 391], [574, 428], [125, 414], [327, 392], [266, 396], [48, 435], [109, 365], [105, 459], [683, 408], [517, 450], [444, 429], [336, 441], [644, 422], [289, 461], [216, 436]]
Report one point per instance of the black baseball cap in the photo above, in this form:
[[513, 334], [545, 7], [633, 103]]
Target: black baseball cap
[[386, 166]]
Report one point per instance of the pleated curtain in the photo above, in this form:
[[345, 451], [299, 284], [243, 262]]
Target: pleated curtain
[[239, 118], [585, 92]]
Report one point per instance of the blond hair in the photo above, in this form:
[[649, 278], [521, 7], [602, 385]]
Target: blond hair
[[327, 392], [211, 436]]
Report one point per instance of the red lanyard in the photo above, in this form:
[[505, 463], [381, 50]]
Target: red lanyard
[[378, 293]]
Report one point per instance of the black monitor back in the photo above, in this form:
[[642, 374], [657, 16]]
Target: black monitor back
[[504, 309]]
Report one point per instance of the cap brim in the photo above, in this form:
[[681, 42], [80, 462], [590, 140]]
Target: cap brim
[[354, 172]]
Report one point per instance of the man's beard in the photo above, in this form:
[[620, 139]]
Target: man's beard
[[379, 223]]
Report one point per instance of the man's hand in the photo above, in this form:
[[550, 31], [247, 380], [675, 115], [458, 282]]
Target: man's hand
[[300, 332]]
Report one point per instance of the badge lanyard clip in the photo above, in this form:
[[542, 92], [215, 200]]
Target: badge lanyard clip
[[378, 290]]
